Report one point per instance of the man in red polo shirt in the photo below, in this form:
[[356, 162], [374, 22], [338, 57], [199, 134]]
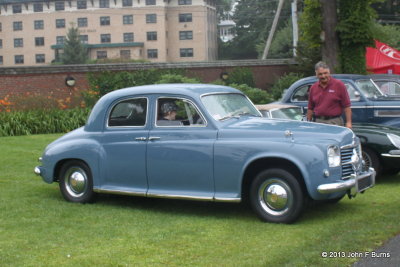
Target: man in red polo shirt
[[328, 99]]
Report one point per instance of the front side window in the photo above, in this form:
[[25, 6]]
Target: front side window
[[60, 6], [177, 112], [105, 38], [40, 58], [104, 3], [19, 59], [186, 35], [39, 41], [151, 18], [151, 36], [38, 24], [225, 106], [129, 113], [127, 19], [82, 22], [185, 17], [104, 21], [18, 42], [301, 94], [82, 4], [38, 7], [152, 53], [60, 23], [186, 52], [17, 25], [17, 9], [128, 37]]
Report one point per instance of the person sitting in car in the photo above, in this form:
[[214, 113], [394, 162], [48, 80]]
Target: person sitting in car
[[168, 115]]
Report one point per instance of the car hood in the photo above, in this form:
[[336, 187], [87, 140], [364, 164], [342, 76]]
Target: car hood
[[245, 127]]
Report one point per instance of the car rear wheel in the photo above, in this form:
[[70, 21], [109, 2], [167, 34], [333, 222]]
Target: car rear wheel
[[76, 183], [276, 196], [371, 160]]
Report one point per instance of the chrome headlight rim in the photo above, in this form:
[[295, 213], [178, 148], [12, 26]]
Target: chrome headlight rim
[[333, 156], [394, 139]]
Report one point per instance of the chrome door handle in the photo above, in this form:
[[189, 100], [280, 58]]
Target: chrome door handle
[[152, 138], [140, 138]]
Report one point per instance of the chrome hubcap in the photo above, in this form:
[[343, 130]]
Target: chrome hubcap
[[76, 181], [275, 196]]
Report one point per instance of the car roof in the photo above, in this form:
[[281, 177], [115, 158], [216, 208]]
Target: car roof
[[394, 77]]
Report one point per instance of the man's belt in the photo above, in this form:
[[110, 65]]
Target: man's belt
[[326, 117]]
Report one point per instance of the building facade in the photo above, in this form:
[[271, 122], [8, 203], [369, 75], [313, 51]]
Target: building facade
[[33, 32]]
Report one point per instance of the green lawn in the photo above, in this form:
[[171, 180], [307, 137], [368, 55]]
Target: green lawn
[[39, 228]]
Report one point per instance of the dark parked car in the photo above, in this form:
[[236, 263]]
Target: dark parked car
[[368, 103], [380, 144], [215, 145], [388, 83]]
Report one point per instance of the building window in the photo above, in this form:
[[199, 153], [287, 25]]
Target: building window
[[17, 9], [152, 53], [1, 43], [185, 35], [127, 2], [1, 60], [125, 54], [39, 41], [40, 58], [60, 23], [185, 2], [151, 36], [19, 59], [186, 52], [60, 6], [104, 21], [127, 19], [82, 4], [185, 17], [17, 25], [38, 24], [151, 18], [60, 40], [84, 39], [105, 38], [128, 37], [82, 22], [150, 2], [101, 54], [1, 27], [38, 7], [18, 42], [104, 3]]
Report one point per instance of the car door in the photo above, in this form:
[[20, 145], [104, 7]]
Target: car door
[[180, 152], [124, 147]]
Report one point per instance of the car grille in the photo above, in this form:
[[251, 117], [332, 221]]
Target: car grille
[[351, 160]]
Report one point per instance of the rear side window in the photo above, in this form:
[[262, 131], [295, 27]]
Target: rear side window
[[128, 113], [301, 94]]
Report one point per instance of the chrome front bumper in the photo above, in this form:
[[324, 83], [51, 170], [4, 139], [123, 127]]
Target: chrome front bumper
[[353, 185]]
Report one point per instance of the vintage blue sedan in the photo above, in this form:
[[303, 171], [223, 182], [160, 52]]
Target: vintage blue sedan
[[204, 142], [368, 103]]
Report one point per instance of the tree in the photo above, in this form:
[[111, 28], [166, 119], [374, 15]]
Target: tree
[[74, 51]]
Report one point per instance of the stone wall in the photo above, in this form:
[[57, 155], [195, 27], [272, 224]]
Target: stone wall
[[51, 79]]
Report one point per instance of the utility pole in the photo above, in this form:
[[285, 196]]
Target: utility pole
[[273, 28], [295, 27]]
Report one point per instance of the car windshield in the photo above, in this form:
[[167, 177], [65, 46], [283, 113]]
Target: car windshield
[[292, 113], [225, 106], [369, 89]]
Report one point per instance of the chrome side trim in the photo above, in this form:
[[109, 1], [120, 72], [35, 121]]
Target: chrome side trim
[[223, 199], [390, 155], [180, 197], [119, 192]]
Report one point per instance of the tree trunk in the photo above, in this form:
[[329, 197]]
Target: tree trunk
[[330, 41]]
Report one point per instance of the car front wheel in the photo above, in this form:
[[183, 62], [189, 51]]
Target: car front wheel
[[371, 160], [276, 196], [76, 183]]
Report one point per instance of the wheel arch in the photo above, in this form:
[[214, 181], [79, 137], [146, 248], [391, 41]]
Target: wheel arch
[[60, 163], [268, 163]]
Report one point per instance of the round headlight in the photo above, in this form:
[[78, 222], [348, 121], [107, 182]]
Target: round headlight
[[333, 156]]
